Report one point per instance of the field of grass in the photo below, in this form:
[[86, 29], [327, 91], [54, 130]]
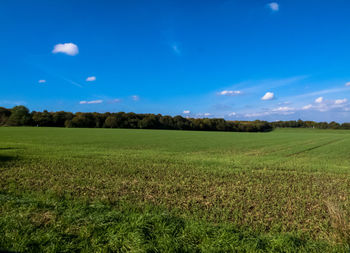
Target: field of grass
[[64, 189]]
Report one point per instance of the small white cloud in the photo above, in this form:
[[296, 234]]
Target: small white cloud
[[42, 81], [91, 79], [231, 114], [307, 107], [268, 96], [347, 84], [319, 100], [230, 92], [66, 48], [257, 114], [273, 6], [116, 100], [135, 98], [283, 109], [186, 112], [340, 101], [91, 102], [207, 114]]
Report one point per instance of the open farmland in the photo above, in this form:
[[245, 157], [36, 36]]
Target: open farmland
[[64, 189]]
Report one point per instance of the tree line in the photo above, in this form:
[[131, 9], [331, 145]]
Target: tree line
[[21, 116], [310, 124]]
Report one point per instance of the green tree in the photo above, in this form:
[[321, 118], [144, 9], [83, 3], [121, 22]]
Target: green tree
[[4, 115], [19, 116]]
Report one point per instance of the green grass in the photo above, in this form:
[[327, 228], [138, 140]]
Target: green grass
[[174, 191]]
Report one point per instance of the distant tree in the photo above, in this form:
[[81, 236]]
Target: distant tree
[[149, 121], [83, 120], [42, 118], [166, 122], [4, 115], [59, 118], [345, 126], [334, 125], [19, 116], [111, 122]]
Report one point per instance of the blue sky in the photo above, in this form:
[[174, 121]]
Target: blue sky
[[241, 60]]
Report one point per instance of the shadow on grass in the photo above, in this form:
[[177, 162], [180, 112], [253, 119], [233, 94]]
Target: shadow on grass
[[7, 159], [4, 158]]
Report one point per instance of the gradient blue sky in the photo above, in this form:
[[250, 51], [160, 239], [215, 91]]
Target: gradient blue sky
[[271, 60]]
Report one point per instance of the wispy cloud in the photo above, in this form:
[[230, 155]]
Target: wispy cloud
[[91, 102], [232, 114], [323, 105], [320, 92], [307, 107], [230, 92], [261, 85], [206, 114], [268, 96], [186, 112], [347, 84], [175, 48], [135, 97], [42, 81], [66, 48], [70, 81], [273, 6], [319, 100], [283, 109], [91, 79], [11, 102], [340, 101]]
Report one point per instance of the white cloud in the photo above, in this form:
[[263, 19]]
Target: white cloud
[[256, 114], [231, 114], [207, 114], [319, 100], [347, 84], [230, 92], [116, 100], [91, 79], [268, 96], [340, 101], [273, 6], [91, 102], [42, 81], [66, 48], [283, 109], [186, 112], [307, 107], [135, 98]]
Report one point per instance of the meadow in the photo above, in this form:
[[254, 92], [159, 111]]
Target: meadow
[[127, 190]]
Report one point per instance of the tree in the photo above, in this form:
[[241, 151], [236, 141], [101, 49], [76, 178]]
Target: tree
[[19, 116], [149, 121], [59, 118], [111, 122], [4, 115], [42, 118]]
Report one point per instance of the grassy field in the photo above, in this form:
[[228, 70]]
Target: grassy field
[[66, 190]]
